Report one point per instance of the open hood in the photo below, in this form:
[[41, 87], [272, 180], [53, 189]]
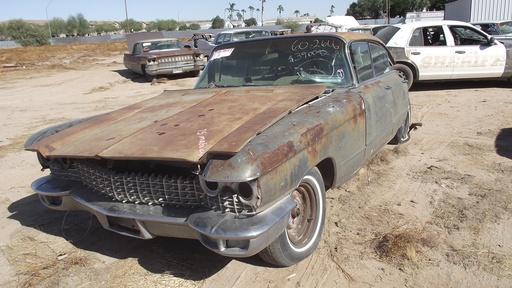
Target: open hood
[[179, 125]]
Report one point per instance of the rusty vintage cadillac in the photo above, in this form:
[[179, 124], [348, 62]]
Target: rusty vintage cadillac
[[168, 56], [243, 161]]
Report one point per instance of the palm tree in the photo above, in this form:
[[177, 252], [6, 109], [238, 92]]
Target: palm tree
[[251, 9], [231, 9], [280, 9], [243, 13], [262, 7], [331, 11], [297, 13], [257, 14]]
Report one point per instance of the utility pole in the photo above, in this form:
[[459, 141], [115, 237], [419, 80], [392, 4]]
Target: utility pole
[[48, 20], [126, 11]]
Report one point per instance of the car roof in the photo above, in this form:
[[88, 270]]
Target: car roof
[[490, 21], [158, 39], [242, 30], [417, 24]]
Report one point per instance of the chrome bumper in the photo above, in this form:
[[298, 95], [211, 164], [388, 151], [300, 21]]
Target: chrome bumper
[[167, 70], [226, 234]]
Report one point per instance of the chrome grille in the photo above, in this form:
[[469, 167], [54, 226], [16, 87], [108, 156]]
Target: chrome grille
[[146, 188]]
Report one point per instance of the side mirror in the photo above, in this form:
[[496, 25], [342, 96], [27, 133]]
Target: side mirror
[[491, 40]]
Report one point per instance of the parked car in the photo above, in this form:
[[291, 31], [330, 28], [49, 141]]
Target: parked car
[[229, 35], [241, 162], [163, 57], [500, 30], [447, 50], [369, 29]]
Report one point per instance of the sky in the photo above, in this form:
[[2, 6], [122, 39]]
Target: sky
[[148, 10]]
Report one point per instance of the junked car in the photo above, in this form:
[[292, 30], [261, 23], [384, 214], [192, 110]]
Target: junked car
[[500, 30], [167, 56], [369, 29], [447, 50], [226, 36], [243, 161]]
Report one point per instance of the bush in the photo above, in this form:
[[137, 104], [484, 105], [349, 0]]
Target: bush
[[27, 34], [293, 25], [251, 22]]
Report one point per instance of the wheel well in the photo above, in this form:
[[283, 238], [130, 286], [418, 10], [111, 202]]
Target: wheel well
[[326, 168], [413, 69]]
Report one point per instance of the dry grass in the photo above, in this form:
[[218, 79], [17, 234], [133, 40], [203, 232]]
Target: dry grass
[[403, 246]]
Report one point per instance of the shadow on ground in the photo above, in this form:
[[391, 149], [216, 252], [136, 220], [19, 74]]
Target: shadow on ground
[[503, 143], [453, 85], [137, 78], [187, 259]]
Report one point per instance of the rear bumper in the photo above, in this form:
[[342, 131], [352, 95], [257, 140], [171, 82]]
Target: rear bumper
[[169, 70], [226, 234]]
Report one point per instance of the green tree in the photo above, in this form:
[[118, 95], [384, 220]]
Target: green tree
[[438, 5], [262, 8], [218, 22], [3, 31], [194, 26], [280, 9], [293, 25], [231, 9], [77, 25], [297, 13], [366, 9], [133, 25], [318, 20], [57, 26], [104, 28], [251, 10], [27, 34], [183, 27], [331, 11], [163, 25], [251, 22]]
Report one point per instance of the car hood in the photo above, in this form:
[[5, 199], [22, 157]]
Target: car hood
[[179, 125]]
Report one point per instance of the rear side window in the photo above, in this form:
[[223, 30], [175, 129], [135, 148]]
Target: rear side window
[[387, 33], [370, 60]]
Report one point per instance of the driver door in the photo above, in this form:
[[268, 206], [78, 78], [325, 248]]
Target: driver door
[[474, 56]]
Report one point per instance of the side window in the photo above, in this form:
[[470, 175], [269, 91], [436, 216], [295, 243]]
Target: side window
[[137, 49], [417, 38], [428, 36], [361, 57], [380, 59], [467, 36]]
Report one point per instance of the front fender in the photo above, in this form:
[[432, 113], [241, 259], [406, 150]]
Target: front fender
[[331, 127]]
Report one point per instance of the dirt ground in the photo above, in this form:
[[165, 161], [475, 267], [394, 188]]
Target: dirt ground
[[436, 211]]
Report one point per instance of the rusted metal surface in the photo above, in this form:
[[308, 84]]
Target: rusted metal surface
[[169, 126]]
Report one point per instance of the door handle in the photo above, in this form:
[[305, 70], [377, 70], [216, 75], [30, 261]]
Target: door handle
[[387, 87], [460, 52], [415, 53]]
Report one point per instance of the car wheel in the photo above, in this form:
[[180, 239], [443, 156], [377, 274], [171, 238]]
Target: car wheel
[[195, 73], [148, 77], [305, 224], [403, 134], [405, 73]]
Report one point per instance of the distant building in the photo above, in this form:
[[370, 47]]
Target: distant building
[[478, 10], [424, 16]]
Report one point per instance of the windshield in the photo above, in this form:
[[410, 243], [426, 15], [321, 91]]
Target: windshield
[[386, 33], [159, 45], [278, 61], [506, 27]]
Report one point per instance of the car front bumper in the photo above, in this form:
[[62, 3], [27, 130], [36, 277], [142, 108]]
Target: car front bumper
[[226, 234]]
